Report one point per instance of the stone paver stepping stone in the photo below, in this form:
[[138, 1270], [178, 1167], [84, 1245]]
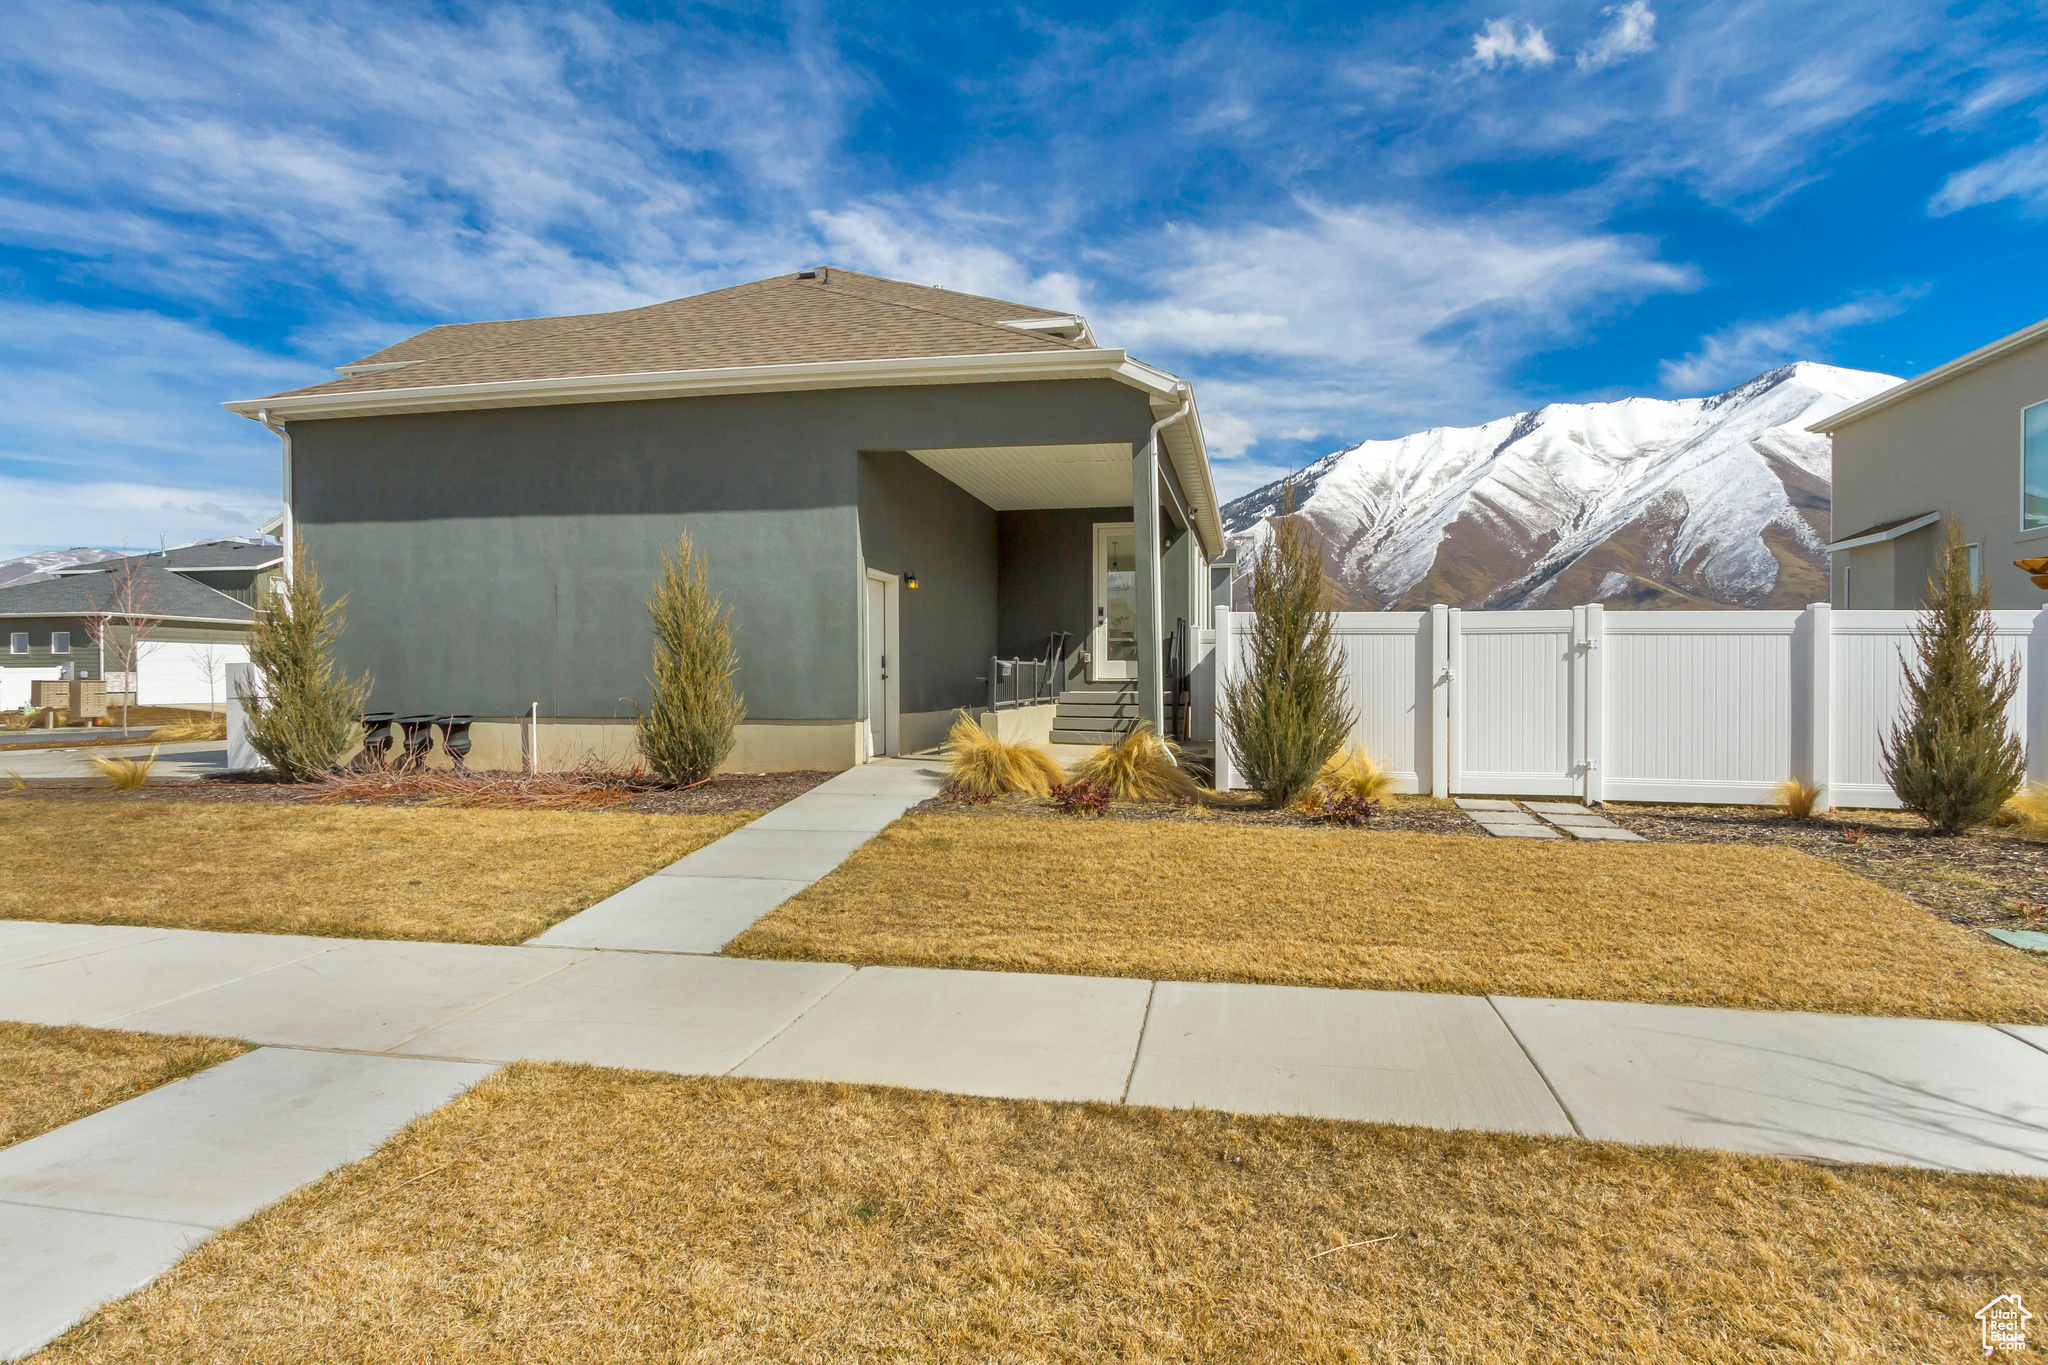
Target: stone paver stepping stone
[[1446, 1061], [2021, 938], [1532, 830], [1471, 803]]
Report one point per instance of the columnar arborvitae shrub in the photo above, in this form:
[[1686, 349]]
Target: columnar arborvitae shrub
[[303, 715], [1284, 714], [1951, 757], [688, 731]]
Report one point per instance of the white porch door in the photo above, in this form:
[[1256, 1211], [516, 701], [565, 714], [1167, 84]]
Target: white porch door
[[1113, 643], [881, 635]]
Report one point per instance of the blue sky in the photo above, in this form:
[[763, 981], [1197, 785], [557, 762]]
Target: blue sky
[[1341, 222]]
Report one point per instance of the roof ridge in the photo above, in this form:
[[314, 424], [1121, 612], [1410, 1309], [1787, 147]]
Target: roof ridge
[[956, 317]]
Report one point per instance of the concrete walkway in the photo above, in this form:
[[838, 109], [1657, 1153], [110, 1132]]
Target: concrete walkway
[[1955, 1096], [101, 1207], [361, 1036], [701, 903]]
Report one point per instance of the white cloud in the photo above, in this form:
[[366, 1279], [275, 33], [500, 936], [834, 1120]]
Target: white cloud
[[1734, 354], [2021, 174], [1632, 33], [1372, 316], [1498, 45], [47, 515]]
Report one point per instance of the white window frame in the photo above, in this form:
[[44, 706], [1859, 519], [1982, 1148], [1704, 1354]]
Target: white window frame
[[17, 642], [57, 635], [2041, 407], [1100, 669]]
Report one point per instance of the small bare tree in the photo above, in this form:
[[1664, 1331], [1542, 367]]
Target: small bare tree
[[212, 660], [124, 624]]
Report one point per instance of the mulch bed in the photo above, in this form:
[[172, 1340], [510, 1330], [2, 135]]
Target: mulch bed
[[1977, 879], [1408, 814], [726, 792]]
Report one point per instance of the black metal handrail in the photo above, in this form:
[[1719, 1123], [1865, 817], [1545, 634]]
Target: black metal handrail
[[1020, 682]]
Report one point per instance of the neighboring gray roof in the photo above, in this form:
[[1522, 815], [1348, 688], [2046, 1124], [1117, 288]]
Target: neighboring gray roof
[[837, 315], [196, 558], [168, 595]]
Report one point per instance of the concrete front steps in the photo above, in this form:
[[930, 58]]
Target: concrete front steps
[[1097, 713]]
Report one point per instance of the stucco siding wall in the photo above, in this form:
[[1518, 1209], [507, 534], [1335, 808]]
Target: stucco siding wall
[[1954, 448], [914, 521], [499, 558]]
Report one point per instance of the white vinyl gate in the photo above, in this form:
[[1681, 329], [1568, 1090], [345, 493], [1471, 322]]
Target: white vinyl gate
[[1695, 706]]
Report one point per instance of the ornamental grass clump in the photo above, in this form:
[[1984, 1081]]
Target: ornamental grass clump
[[690, 727], [1349, 772], [124, 774], [302, 713], [1284, 714], [2026, 809], [1951, 757], [1796, 797], [1140, 767], [980, 766]]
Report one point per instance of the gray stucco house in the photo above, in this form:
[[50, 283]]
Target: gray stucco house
[[1969, 440], [892, 484]]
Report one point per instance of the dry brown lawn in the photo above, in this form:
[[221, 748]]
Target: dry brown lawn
[[575, 1215], [1758, 928], [50, 1076], [453, 876]]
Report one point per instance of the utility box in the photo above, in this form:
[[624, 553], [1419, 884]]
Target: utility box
[[87, 698]]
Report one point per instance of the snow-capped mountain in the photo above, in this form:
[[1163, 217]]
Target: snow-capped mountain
[[45, 563], [1645, 502]]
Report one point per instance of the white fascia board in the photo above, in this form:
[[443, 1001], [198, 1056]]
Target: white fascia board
[[116, 617], [612, 388], [1940, 374], [1890, 533]]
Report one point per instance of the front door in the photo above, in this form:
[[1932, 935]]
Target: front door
[[1113, 644], [881, 691]]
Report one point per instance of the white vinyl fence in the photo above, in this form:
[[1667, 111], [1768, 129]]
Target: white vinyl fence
[[1695, 706]]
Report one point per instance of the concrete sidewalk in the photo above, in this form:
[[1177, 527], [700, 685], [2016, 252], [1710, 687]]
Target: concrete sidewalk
[[1955, 1096], [699, 904], [101, 1207]]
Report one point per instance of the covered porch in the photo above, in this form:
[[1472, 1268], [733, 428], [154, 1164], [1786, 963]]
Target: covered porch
[[1105, 561]]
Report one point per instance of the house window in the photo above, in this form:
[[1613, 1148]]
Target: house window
[[60, 642], [17, 643], [2034, 463]]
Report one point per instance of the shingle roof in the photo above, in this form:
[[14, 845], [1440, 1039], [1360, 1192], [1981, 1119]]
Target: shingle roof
[[198, 557], [167, 594], [788, 320]]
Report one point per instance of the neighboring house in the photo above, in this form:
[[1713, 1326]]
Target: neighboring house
[[891, 483], [201, 599], [1969, 439]]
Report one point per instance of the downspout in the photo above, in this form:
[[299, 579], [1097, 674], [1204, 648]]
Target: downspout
[[286, 529], [1145, 531]]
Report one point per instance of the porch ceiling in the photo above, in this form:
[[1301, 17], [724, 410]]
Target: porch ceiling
[[1022, 478]]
